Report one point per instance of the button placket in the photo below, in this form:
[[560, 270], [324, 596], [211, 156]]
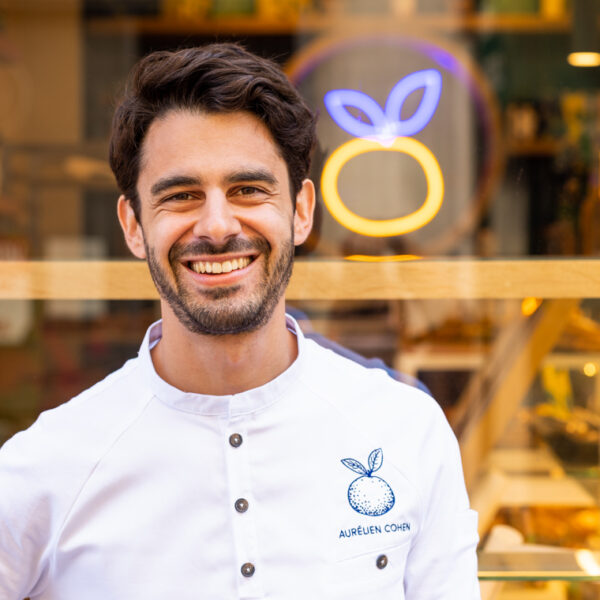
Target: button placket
[[241, 503]]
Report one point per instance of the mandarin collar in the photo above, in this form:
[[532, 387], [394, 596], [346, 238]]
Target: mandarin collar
[[228, 405]]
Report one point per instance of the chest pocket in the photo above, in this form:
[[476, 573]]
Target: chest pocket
[[376, 574]]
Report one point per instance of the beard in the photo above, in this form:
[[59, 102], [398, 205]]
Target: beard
[[217, 311]]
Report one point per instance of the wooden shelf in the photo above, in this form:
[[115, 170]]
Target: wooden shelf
[[545, 147], [191, 26], [324, 279], [254, 25]]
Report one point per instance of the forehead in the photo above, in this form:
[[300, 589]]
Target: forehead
[[213, 143]]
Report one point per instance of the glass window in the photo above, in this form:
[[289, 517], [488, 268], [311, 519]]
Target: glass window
[[455, 245]]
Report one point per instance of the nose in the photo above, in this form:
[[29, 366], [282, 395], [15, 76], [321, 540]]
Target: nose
[[216, 219]]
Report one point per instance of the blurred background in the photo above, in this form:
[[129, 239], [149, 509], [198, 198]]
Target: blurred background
[[426, 253]]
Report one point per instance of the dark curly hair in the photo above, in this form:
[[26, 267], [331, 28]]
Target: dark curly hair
[[216, 78]]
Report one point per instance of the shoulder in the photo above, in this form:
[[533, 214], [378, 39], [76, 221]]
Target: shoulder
[[99, 408], [44, 468], [367, 391], [67, 441], [408, 421]]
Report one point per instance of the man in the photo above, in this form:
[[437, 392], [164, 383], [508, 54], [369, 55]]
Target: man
[[233, 458]]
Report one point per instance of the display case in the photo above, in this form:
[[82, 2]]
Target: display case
[[488, 293]]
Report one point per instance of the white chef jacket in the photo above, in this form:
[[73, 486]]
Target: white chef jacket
[[131, 491]]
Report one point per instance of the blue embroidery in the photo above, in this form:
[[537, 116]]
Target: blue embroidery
[[369, 495]]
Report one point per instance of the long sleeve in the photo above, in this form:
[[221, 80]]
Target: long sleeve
[[442, 564], [26, 517]]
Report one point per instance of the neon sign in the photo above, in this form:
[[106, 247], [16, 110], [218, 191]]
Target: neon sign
[[382, 227], [463, 80], [387, 123], [387, 131]]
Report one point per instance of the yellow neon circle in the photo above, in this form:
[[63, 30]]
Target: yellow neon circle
[[383, 227]]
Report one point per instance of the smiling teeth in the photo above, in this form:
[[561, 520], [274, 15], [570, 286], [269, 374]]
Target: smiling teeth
[[220, 267]]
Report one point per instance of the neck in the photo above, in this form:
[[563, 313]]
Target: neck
[[223, 365]]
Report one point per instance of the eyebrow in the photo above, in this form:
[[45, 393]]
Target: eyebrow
[[174, 181], [252, 175], [238, 177]]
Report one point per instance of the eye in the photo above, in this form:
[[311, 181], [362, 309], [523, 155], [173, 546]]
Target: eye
[[247, 190], [179, 197], [249, 194]]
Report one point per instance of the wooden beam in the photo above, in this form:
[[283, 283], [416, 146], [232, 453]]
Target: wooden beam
[[496, 391], [324, 279]]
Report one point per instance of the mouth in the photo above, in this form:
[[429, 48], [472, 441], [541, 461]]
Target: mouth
[[218, 267]]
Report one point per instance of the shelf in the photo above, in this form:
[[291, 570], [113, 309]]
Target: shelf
[[192, 25], [566, 565], [360, 23], [324, 279], [464, 357], [545, 147]]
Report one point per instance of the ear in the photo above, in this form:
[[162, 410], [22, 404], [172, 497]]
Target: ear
[[132, 230], [303, 216]]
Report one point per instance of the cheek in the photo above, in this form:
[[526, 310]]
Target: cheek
[[167, 230], [277, 235], [274, 226]]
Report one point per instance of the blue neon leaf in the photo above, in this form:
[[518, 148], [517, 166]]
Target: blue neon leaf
[[336, 102], [375, 460], [431, 82], [354, 465]]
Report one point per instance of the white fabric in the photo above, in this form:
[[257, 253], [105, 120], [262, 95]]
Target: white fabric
[[128, 491]]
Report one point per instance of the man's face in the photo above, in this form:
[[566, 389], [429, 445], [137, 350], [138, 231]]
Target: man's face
[[217, 222]]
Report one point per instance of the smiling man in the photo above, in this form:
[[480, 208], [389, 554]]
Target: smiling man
[[233, 458], [217, 226]]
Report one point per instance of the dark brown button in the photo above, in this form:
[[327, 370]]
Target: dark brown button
[[382, 561], [235, 439], [248, 569], [241, 505]]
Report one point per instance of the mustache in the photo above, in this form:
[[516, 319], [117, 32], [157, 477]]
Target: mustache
[[230, 246]]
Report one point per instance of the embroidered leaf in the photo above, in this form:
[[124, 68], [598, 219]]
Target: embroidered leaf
[[375, 460], [354, 465], [431, 82], [336, 102]]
